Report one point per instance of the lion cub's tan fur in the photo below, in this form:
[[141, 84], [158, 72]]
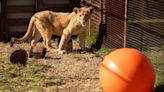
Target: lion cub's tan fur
[[47, 23]]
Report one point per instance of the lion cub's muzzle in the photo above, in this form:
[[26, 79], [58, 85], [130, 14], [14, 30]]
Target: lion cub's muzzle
[[83, 24], [85, 21]]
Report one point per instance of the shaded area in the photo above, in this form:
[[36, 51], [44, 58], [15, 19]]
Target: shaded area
[[102, 33], [159, 88]]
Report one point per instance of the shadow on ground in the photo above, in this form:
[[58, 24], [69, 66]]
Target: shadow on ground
[[159, 88]]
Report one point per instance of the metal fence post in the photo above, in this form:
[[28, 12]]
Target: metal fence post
[[125, 21]]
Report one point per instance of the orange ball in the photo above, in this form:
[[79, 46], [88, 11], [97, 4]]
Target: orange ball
[[126, 70]]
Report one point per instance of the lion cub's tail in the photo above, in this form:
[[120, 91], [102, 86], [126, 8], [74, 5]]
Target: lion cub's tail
[[27, 35]]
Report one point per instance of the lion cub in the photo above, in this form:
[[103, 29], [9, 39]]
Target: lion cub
[[44, 24]]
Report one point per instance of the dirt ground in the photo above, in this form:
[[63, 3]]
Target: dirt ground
[[79, 69]]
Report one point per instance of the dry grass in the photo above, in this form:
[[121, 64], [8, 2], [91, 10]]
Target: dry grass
[[56, 73]]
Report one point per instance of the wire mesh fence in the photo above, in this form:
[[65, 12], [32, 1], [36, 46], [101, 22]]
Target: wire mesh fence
[[115, 23], [144, 23]]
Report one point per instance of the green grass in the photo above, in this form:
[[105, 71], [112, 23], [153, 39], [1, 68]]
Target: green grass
[[103, 51], [157, 58], [91, 37], [18, 78]]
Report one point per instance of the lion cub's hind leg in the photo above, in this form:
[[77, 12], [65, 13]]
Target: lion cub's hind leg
[[35, 38], [47, 41], [46, 34]]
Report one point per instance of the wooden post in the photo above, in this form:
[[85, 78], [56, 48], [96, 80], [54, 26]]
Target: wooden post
[[39, 5], [4, 24]]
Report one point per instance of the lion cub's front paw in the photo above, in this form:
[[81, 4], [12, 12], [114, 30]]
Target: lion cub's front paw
[[61, 51]]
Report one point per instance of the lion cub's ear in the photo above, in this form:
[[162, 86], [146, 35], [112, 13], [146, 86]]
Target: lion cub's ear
[[76, 10]]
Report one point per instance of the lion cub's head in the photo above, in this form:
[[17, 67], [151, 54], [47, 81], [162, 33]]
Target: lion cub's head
[[83, 14]]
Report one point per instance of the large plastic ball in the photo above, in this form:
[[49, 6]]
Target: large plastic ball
[[126, 70]]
